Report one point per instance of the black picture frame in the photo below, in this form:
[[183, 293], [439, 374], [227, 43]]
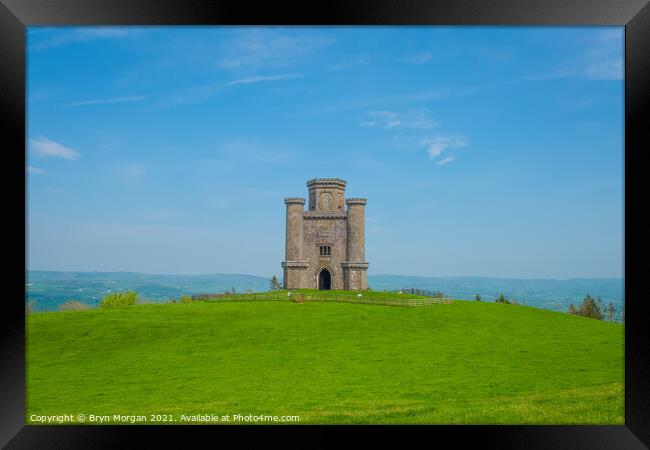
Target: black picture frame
[[15, 15]]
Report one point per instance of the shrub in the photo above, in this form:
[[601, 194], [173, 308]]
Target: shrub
[[119, 299], [590, 307], [186, 299], [502, 299], [72, 305]]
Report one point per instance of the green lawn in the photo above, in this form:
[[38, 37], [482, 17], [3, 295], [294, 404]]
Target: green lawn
[[464, 362]]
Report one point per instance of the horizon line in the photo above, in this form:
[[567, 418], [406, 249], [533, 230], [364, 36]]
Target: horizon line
[[370, 275]]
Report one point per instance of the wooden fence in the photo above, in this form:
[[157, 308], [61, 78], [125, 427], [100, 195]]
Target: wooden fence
[[298, 297], [422, 292]]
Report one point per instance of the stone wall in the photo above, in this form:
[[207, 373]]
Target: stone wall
[[327, 229]]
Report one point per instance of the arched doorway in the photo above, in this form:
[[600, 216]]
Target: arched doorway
[[324, 280]]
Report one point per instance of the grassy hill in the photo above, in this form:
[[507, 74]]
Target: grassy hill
[[328, 362]]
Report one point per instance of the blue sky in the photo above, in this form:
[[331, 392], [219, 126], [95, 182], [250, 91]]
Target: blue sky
[[484, 151]]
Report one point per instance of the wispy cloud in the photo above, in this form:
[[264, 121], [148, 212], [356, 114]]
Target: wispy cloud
[[435, 94], [446, 160], [205, 91], [259, 79], [192, 94], [605, 70], [387, 119], [601, 70], [35, 170], [439, 144], [555, 74], [250, 151], [52, 37], [602, 59], [610, 36], [257, 47], [418, 58], [133, 98], [414, 119], [493, 53], [408, 129], [45, 147], [347, 64], [130, 172], [394, 100]]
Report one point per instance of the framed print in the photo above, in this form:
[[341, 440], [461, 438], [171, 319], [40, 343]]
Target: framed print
[[366, 217]]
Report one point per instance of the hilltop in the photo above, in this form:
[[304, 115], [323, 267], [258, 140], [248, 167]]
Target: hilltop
[[463, 362]]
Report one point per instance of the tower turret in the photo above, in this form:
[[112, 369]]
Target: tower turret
[[355, 266], [293, 265], [293, 245], [326, 194]]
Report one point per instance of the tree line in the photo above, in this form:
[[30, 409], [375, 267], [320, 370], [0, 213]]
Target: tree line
[[590, 307], [594, 308]]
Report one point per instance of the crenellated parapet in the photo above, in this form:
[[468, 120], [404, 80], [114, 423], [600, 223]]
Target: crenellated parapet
[[294, 201], [315, 215], [356, 201], [326, 182]]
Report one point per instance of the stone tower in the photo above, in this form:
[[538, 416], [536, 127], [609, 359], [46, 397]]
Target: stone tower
[[325, 245]]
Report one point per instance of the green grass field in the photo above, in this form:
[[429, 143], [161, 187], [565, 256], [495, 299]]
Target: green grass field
[[328, 362]]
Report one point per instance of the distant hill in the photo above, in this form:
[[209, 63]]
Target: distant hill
[[49, 289], [553, 294]]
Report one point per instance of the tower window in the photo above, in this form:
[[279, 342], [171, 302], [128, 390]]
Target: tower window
[[325, 250]]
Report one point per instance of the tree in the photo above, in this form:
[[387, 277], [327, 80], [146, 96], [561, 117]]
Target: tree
[[590, 307], [275, 285], [610, 310], [478, 298], [502, 299]]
